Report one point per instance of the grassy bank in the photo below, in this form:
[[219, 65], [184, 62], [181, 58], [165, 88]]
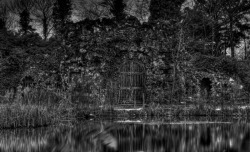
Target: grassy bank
[[166, 110], [31, 116], [212, 110], [20, 115], [37, 107]]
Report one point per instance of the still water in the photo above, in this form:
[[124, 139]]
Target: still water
[[132, 136]]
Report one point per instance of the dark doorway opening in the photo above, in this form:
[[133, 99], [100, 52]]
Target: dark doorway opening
[[206, 87]]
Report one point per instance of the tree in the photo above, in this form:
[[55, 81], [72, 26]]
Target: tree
[[199, 32], [90, 9], [235, 11], [164, 10], [42, 13], [25, 22], [3, 14], [62, 10], [12, 62], [17, 6], [228, 21], [22, 8], [165, 17], [142, 10], [116, 7]]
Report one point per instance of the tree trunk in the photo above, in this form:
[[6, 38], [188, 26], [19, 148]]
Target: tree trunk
[[231, 37], [174, 81], [45, 28], [245, 45]]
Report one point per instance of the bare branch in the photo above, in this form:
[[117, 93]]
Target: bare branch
[[17, 6], [42, 13], [90, 9], [3, 11]]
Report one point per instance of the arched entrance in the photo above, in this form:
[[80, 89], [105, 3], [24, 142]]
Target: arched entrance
[[132, 84], [206, 87]]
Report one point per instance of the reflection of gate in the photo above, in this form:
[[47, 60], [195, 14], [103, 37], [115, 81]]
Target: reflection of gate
[[132, 81]]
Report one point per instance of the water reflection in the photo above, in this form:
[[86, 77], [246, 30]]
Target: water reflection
[[130, 137]]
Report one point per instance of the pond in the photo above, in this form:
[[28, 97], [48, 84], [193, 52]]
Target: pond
[[176, 135]]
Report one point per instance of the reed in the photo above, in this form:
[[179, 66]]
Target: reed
[[31, 116], [36, 108]]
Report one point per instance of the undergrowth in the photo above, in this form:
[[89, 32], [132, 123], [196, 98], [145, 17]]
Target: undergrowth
[[37, 108]]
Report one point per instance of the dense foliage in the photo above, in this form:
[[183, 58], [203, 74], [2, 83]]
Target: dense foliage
[[25, 21], [61, 15], [81, 59]]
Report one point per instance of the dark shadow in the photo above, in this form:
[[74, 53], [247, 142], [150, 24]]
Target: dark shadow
[[27, 81], [245, 145], [206, 139], [206, 87]]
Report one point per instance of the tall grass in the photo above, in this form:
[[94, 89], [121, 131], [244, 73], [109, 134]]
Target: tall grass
[[36, 108], [17, 115]]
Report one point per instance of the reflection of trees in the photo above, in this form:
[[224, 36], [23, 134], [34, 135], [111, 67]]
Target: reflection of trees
[[108, 137], [180, 138]]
